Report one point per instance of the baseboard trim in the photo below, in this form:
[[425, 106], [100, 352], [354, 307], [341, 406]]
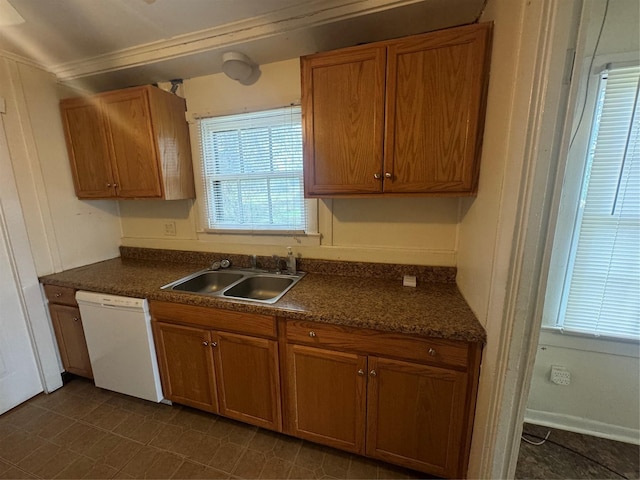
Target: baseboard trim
[[583, 425]]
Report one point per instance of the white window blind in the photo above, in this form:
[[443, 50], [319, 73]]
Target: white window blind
[[252, 171], [602, 286]]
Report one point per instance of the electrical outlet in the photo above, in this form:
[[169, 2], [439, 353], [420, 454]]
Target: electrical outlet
[[170, 229], [560, 375]]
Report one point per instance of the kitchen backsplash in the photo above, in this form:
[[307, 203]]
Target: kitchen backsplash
[[310, 265]]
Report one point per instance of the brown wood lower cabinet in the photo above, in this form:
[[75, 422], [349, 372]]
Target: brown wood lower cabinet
[[415, 415], [67, 326], [233, 371], [248, 379], [400, 398], [403, 399], [186, 365], [327, 396]]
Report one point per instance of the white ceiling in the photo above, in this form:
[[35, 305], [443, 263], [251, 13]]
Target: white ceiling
[[105, 44]]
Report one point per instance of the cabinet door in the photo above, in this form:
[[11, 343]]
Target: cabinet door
[[326, 396], [415, 415], [343, 118], [132, 143], [67, 326], [186, 365], [88, 148], [435, 111], [248, 379]]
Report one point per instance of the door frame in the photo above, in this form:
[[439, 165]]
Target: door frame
[[29, 289], [548, 40]]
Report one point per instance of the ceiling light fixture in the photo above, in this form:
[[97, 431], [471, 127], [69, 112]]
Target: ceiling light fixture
[[238, 66]]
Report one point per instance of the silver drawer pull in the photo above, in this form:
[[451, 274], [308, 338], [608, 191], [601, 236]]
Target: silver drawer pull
[[214, 344], [373, 373], [361, 372], [312, 334], [432, 352], [205, 344]]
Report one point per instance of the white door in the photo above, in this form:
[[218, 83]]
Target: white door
[[19, 373]]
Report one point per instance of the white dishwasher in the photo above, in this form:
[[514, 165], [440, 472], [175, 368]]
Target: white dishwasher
[[120, 344]]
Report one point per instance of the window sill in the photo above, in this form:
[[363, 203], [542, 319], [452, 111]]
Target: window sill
[[556, 338]]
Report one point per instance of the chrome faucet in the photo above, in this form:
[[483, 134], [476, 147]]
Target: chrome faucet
[[254, 262]]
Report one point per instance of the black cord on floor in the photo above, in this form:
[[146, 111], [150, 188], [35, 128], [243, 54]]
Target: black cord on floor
[[546, 439]]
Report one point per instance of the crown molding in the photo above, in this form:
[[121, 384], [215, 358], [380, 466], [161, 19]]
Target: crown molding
[[20, 59], [261, 27]]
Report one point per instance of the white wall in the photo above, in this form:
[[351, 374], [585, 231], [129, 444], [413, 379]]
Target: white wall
[[499, 235], [410, 231], [23, 316], [482, 268], [604, 394], [64, 232]]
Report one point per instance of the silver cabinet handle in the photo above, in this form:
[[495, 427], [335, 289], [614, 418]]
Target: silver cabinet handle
[[432, 352], [387, 175], [115, 185], [214, 344], [75, 319], [312, 334], [376, 176], [361, 372], [58, 295], [373, 373], [108, 185], [205, 343]]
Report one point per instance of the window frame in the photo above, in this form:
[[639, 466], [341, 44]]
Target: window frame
[[569, 213], [309, 236]]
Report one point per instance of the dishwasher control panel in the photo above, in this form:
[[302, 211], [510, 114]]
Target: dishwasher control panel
[[112, 300]]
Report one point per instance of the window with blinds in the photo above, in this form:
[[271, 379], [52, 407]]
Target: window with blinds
[[252, 172], [601, 293]]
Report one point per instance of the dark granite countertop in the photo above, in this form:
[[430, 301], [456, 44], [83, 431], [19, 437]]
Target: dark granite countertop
[[434, 309]]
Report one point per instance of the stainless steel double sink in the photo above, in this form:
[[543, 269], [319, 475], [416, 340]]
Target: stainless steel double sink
[[249, 284]]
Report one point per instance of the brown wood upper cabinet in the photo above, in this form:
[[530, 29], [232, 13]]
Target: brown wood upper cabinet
[[130, 143], [400, 117]]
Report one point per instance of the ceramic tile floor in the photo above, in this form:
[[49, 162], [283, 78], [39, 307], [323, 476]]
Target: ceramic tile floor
[[81, 431], [571, 455]]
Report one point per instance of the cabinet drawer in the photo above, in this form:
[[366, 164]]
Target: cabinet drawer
[[215, 318], [404, 346], [62, 295]]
